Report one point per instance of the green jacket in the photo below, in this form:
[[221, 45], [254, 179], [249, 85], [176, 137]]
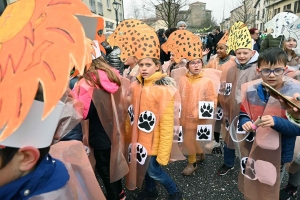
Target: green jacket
[[269, 41]]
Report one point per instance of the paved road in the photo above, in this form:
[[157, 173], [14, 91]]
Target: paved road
[[204, 185]]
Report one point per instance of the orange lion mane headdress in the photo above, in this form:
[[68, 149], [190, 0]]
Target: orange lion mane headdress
[[41, 41]]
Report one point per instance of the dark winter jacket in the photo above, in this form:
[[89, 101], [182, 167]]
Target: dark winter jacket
[[217, 38], [163, 56], [269, 41], [210, 42], [113, 57], [288, 130]]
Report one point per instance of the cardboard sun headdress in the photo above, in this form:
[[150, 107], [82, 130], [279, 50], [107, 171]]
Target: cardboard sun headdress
[[280, 22], [293, 31], [239, 37], [51, 41], [184, 45], [135, 38], [224, 39]]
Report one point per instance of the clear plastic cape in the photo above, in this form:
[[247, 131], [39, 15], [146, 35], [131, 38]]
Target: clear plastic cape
[[83, 184], [261, 167], [198, 130], [157, 105], [113, 124]]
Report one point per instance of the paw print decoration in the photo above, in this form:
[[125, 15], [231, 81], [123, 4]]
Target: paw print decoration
[[228, 88], [219, 113], [141, 153], [204, 133], [146, 121], [251, 174], [227, 124], [178, 134], [131, 114], [206, 109]]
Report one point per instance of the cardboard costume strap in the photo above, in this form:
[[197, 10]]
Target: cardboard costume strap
[[262, 166]]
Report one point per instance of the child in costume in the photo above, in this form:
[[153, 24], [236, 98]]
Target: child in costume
[[133, 70], [31, 107], [222, 61], [239, 41], [151, 120], [193, 87], [269, 151], [99, 85]]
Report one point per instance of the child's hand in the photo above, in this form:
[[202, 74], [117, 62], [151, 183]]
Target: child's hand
[[266, 121], [248, 127]]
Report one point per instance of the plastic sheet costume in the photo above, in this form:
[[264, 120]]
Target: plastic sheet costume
[[48, 49], [198, 94], [135, 38], [260, 169]]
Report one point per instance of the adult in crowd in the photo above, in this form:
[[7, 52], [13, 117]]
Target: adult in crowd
[[217, 37], [254, 32], [162, 39], [209, 45], [181, 25], [113, 56]]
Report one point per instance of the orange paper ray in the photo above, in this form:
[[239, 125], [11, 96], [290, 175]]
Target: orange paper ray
[[50, 41], [183, 44]]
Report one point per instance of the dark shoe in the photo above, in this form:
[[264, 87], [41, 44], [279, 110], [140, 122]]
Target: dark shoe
[[145, 194], [216, 148], [122, 195], [177, 195], [224, 169], [288, 192]]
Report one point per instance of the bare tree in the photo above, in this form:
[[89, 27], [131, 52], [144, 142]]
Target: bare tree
[[134, 10], [170, 11], [244, 12]]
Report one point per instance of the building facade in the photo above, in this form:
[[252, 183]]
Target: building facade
[[245, 13], [267, 9], [198, 14], [106, 9]]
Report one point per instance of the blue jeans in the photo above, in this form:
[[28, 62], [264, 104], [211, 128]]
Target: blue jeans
[[155, 173], [229, 156]]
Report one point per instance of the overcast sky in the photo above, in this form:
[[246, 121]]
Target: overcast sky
[[217, 7]]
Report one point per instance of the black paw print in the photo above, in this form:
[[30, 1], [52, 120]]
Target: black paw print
[[250, 137], [219, 114], [130, 113], [228, 90], [244, 162], [180, 136], [203, 133], [206, 111], [240, 128], [140, 154], [227, 124], [129, 153], [146, 121], [253, 174]]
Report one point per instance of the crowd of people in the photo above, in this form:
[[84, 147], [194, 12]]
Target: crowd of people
[[138, 100]]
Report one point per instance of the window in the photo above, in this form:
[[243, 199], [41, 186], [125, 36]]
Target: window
[[287, 7], [258, 15], [297, 7], [276, 11], [93, 6], [100, 7], [261, 26], [109, 25], [108, 4], [203, 8], [263, 14]]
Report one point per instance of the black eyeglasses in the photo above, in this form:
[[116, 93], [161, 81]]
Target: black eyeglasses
[[276, 72]]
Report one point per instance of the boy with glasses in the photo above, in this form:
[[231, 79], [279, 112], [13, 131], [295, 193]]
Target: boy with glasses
[[269, 149]]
